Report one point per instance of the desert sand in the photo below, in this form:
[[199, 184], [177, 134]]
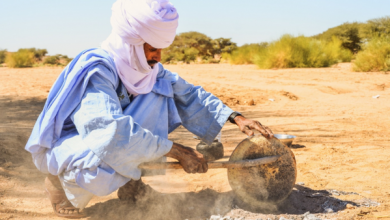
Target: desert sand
[[342, 145]]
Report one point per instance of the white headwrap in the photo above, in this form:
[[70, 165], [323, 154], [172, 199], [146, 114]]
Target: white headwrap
[[135, 22]]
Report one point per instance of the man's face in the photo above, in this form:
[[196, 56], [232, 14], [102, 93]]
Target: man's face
[[153, 55]]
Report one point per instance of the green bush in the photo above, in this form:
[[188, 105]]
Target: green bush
[[3, 55], [57, 60], [22, 58], [244, 54], [38, 53], [301, 51], [65, 60], [375, 56], [52, 60]]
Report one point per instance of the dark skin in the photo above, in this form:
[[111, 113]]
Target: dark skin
[[191, 160], [153, 55]]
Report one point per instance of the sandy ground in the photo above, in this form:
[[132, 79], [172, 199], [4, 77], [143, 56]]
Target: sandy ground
[[342, 145]]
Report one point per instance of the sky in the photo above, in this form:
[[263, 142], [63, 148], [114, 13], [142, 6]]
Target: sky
[[68, 27]]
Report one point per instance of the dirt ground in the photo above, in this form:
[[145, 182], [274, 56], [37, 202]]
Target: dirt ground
[[342, 145]]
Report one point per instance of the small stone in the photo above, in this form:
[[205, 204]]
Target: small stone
[[329, 210], [215, 217], [311, 217], [350, 206], [301, 183]]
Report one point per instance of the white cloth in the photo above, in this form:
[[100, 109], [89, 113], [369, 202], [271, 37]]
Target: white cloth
[[135, 22]]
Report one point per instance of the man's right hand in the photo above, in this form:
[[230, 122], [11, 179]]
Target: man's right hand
[[191, 160]]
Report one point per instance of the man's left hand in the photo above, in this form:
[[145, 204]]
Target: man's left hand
[[248, 126]]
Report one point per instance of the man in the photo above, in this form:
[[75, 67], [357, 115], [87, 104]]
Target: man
[[111, 109]]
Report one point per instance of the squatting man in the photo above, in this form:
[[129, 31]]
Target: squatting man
[[113, 107]]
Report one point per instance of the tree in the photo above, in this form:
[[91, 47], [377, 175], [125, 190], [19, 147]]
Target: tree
[[188, 46], [379, 27], [223, 45], [348, 33]]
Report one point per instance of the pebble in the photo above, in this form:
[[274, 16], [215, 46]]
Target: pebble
[[215, 217], [301, 183], [329, 210], [311, 217], [219, 217]]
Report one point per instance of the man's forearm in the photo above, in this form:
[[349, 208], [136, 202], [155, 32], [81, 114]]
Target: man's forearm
[[176, 151]]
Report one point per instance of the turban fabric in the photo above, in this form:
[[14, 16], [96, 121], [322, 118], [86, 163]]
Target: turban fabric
[[135, 22]]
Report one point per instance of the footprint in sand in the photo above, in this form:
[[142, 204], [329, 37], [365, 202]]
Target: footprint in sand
[[379, 87], [333, 91]]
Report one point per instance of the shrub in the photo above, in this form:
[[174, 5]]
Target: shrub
[[245, 54], [301, 51], [65, 60], [375, 56], [22, 58], [57, 60], [3, 55], [52, 60], [38, 53]]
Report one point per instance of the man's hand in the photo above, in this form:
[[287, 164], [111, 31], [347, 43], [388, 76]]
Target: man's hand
[[246, 126], [191, 160]]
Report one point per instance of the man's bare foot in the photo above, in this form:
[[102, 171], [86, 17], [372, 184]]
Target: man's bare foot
[[134, 190], [61, 205]]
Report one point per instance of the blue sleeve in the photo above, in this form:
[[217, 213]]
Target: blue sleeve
[[201, 112], [114, 137]]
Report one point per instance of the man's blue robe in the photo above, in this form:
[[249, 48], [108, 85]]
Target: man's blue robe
[[93, 135]]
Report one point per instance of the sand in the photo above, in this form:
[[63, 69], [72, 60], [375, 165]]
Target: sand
[[342, 145]]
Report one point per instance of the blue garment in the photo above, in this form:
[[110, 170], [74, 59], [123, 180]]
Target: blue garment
[[93, 135]]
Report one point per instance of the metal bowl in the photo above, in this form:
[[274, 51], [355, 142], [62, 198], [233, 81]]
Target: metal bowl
[[285, 139]]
